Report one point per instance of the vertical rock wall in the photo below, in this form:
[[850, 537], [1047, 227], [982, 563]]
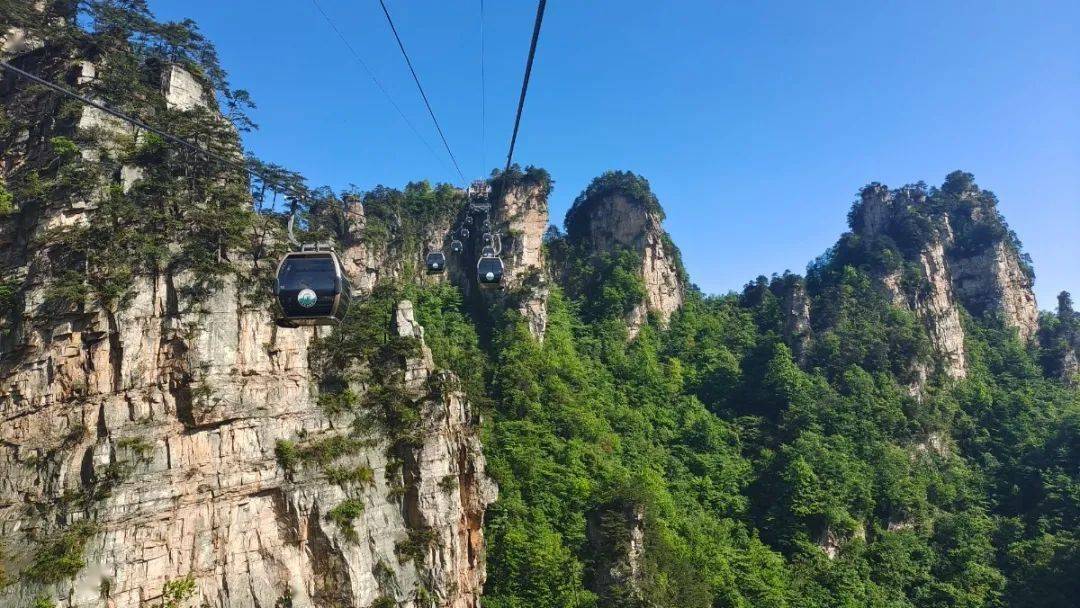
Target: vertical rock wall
[[520, 213], [158, 422], [617, 221], [983, 278]]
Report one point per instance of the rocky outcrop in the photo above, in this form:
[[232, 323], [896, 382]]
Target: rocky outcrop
[[932, 298], [1060, 338], [392, 257], [142, 446], [520, 214], [616, 535], [832, 542], [795, 305], [182, 91], [992, 281], [964, 259], [613, 219]]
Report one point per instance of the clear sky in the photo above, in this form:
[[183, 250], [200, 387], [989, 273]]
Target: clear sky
[[756, 123]]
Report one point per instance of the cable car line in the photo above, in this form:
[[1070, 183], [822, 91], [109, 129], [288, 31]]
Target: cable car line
[[525, 82], [483, 96], [240, 166], [378, 83], [421, 87]]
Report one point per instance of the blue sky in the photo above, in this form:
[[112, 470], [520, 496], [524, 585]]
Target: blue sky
[[756, 123]]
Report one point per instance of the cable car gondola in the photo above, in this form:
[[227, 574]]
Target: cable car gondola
[[489, 272], [464, 233], [468, 220], [311, 288], [435, 262], [456, 246]]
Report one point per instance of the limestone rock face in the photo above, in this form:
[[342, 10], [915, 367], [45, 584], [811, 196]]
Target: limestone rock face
[[796, 310], [159, 423], [368, 262], [520, 213], [182, 91], [932, 299], [935, 304], [956, 272], [993, 281], [617, 221], [616, 534]]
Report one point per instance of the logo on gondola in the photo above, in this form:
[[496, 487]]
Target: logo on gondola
[[306, 298]]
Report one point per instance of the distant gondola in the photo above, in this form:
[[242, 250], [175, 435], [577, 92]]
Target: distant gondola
[[435, 262], [312, 289], [489, 272], [456, 246]]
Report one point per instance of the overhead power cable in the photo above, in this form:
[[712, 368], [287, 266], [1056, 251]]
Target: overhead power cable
[[377, 82], [483, 96], [525, 83], [230, 162], [421, 88]]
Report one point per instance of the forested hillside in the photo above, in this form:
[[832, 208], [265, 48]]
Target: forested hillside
[[897, 426]]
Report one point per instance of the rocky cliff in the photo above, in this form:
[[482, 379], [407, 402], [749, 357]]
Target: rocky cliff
[[520, 214], [166, 441], [948, 252], [618, 212]]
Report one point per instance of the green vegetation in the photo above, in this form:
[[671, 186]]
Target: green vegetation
[[415, 547], [343, 515], [175, 592], [141, 448], [61, 557], [743, 461], [6, 198], [360, 474]]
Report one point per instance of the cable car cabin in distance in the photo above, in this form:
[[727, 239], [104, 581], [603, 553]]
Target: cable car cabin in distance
[[489, 272], [435, 262], [312, 289]]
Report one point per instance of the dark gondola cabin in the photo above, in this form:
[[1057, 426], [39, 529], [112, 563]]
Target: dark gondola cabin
[[312, 289], [456, 246], [489, 272], [435, 262]]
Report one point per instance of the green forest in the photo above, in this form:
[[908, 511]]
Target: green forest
[[710, 461]]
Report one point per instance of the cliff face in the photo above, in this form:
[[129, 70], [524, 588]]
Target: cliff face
[[370, 261], [993, 281], [520, 213], [978, 270], [932, 299], [619, 213], [141, 445]]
